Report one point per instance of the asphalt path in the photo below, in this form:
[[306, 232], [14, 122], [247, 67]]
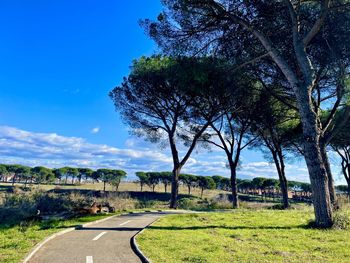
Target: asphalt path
[[104, 242]]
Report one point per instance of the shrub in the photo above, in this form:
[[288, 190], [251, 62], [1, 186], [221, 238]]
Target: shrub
[[186, 203], [342, 220]]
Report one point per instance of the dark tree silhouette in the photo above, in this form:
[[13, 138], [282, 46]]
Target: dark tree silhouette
[[160, 101]]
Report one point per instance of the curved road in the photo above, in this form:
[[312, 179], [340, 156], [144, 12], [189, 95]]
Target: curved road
[[103, 242]]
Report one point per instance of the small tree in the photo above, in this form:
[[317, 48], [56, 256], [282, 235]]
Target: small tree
[[103, 175], [205, 182], [16, 170], [115, 177], [84, 174], [245, 186], [258, 184], [165, 178], [42, 174], [26, 174], [153, 179], [3, 172], [73, 173], [143, 179], [189, 180]]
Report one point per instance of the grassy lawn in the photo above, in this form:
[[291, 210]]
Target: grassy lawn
[[17, 241], [243, 236]]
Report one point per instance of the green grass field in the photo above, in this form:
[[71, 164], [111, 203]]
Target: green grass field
[[243, 236], [17, 241]]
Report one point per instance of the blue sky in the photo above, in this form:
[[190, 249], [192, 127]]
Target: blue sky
[[58, 61]]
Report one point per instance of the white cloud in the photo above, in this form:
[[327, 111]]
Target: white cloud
[[95, 130], [53, 150]]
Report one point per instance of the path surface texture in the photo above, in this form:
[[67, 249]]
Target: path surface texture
[[103, 242]]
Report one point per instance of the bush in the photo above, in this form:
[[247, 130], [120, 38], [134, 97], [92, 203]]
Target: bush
[[186, 203], [342, 220]]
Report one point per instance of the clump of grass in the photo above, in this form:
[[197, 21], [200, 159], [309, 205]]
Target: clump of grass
[[196, 204], [342, 220]]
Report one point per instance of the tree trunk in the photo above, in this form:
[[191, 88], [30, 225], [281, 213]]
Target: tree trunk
[[165, 188], [13, 180], [319, 183], [189, 189], [315, 164], [279, 163], [175, 187], [153, 186], [233, 180], [104, 186], [202, 192], [141, 186], [332, 193]]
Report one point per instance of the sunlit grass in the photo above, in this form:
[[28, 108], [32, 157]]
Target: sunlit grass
[[243, 236]]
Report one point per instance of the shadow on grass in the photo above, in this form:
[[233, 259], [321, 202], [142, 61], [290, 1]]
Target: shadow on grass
[[227, 227]]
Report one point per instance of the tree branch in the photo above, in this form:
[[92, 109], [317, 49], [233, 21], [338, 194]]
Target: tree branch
[[318, 24]]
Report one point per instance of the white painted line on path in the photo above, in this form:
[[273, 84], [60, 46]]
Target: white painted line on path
[[125, 223], [89, 259], [98, 236]]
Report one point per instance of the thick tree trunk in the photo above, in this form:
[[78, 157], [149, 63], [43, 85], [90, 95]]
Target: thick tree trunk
[[104, 186], [233, 179], [141, 186], [165, 188], [313, 157], [189, 189], [332, 193], [319, 183], [175, 186]]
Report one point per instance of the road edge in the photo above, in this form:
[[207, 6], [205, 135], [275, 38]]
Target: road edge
[[60, 233], [135, 247]]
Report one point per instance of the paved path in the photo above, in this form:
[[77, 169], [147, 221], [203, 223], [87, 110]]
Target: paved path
[[104, 242]]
